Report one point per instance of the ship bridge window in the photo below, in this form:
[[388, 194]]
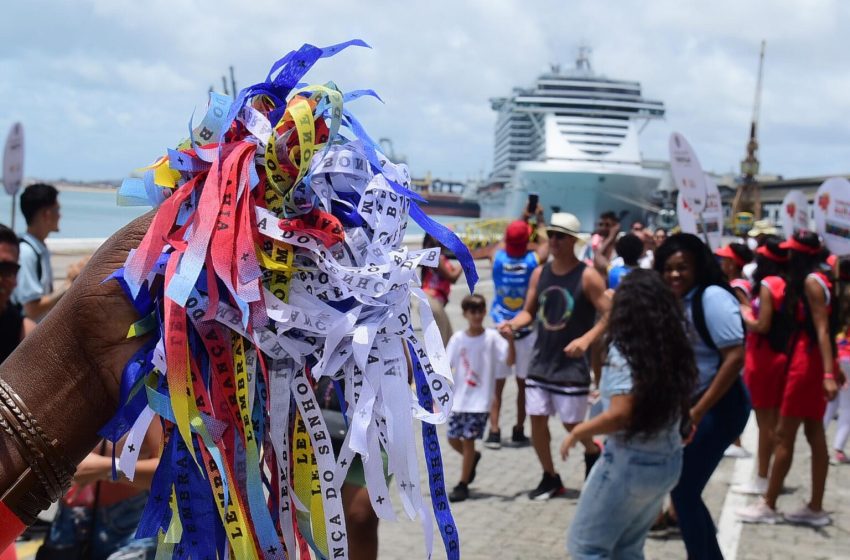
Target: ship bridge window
[[580, 132], [586, 143], [592, 124]]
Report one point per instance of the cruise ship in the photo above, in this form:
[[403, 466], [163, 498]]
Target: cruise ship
[[573, 139]]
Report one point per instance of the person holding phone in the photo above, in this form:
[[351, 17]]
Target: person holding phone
[[513, 263]]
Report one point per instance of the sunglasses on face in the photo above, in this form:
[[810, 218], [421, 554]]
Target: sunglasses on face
[[559, 235], [8, 268]]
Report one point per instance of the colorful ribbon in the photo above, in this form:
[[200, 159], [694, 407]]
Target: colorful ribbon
[[276, 257]]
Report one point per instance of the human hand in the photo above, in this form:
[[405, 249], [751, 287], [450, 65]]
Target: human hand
[[576, 348], [538, 215], [569, 442], [830, 388], [93, 468], [75, 269], [696, 417], [613, 232], [506, 330]]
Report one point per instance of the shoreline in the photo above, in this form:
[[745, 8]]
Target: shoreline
[[85, 188]]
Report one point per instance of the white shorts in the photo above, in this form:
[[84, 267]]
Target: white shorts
[[523, 348], [541, 401]]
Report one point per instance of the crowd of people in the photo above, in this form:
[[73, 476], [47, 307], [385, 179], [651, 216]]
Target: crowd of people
[[678, 344], [681, 344]]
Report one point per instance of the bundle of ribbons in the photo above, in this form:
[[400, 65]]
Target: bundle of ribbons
[[275, 259]]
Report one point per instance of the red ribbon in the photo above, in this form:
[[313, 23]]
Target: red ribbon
[[323, 226]]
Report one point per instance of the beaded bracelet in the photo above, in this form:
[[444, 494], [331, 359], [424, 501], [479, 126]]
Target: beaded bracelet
[[49, 473]]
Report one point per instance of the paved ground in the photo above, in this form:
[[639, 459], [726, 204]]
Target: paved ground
[[499, 521]]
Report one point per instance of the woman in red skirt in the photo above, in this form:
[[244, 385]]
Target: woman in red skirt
[[765, 360], [811, 381]]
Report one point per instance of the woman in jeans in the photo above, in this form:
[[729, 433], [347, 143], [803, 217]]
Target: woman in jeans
[[646, 386], [720, 405]]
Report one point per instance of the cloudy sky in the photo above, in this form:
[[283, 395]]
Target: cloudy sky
[[105, 86]]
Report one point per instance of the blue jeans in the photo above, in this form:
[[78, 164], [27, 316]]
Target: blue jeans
[[622, 497], [115, 530], [717, 430]]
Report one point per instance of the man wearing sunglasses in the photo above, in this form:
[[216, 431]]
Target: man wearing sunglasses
[[13, 325], [567, 304]]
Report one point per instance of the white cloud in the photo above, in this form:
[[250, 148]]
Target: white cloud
[[103, 86]]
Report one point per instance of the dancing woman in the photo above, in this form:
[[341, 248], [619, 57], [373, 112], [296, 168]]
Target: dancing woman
[[720, 405], [646, 385]]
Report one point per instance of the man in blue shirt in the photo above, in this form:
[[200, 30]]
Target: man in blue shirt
[[40, 207], [513, 262]]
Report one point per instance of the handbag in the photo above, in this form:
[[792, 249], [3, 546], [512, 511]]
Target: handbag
[[78, 550]]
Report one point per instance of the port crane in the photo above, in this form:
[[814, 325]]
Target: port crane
[[748, 195]]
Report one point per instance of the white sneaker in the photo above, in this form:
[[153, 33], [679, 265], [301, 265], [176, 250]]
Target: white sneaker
[[806, 516], [755, 487], [758, 512], [737, 452]]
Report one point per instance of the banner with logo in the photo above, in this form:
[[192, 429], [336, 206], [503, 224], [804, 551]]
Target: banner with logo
[[794, 215], [698, 204], [832, 214], [687, 174]]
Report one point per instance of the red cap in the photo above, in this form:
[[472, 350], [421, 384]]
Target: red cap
[[765, 251], [516, 238], [730, 254], [794, 245]]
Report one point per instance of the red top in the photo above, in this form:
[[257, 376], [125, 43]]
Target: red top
[[435, 285]]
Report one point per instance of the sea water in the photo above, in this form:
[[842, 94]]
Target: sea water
[[95, 214]]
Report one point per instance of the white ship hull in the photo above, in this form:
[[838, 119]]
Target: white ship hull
[[585, 191]]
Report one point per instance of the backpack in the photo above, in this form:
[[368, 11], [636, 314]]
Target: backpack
[[783, 327], [698, 316], [38, 268]]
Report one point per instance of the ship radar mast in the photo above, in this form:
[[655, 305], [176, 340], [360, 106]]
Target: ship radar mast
[[583, 59]]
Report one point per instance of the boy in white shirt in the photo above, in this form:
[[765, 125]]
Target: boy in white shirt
[[476, 356]]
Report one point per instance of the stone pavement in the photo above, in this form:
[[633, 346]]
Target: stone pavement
[[499, 521]]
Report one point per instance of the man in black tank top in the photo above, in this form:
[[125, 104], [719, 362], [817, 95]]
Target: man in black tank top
[[564, 299]]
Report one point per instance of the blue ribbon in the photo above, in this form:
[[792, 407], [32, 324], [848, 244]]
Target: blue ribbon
[[434, 464], [157, 513]]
